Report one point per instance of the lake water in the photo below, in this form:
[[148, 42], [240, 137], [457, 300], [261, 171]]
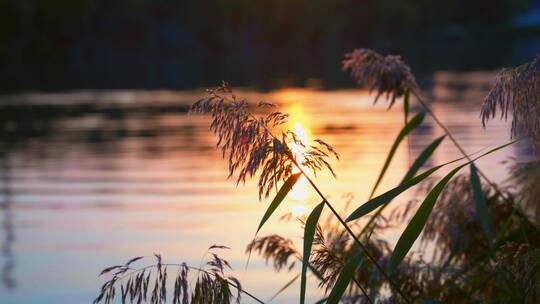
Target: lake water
[[90, 179]]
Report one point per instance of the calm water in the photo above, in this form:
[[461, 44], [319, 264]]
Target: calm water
[[90, 179]]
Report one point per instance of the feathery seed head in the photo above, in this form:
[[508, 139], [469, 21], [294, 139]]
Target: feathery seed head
[[518, 90], [384, 74], [150, 284], [250, 143]]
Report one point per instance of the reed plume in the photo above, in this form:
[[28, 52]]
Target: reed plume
[[275, 248], [517, 90], [386, 75], [520, 266], [329, 254], [453, 224], [525, 178], [149, 284], [253, 144]]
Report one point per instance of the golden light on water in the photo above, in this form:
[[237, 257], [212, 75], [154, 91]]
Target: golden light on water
[[300, 191], [300, 123]]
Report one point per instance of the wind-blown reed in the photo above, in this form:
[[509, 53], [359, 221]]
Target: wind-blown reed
[[253, 144], [457, 214], [517, 90], [387, 75], [149, 284]]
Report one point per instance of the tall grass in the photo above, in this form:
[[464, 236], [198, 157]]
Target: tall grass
[[477, 226]]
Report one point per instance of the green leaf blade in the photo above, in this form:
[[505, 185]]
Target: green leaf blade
[[422, 158], [389, 195], [481, 205], [406, 105], [417, 223], [408, 128], [280, 196], [354, 260], [309, 233]]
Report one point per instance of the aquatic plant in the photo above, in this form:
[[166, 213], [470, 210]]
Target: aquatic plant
[[469, 219], [249, 144], [517, 90], [387, 75], [149, 284]]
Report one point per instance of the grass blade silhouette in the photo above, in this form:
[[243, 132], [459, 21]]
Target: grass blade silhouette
[[392, 193], [309, 233], [282, 289], [418, 163], [417, 223], [422, 158], [481, 205], [354, 260], [282, 193], [410, 126]]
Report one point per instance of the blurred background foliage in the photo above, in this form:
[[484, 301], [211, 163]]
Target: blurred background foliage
[[67, 44]]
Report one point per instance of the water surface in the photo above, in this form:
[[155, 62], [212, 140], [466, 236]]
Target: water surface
[[92, 178]]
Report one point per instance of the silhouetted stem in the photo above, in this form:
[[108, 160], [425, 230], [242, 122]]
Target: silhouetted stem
[[458, 146], [353, 235], [344, 224], [363, 291], [372, 219], [480, 260], [299, 257]]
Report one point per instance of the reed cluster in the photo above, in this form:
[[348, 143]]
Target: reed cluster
[[517, 90], [152, 283], [485, 235], [255, 144]]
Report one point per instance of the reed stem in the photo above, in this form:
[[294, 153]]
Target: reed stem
[[353, 235], [459, 147]]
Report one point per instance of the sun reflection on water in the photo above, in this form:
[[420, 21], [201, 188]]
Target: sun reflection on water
[[300, 126]]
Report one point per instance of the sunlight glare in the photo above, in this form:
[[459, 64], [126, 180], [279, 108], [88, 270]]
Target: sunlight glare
[[300, 190], [299, 210]]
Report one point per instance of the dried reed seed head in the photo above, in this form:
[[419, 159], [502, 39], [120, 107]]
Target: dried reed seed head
[[521, 263], [526, 178], [275, 248], [517, 90], [250, 143], [452, 220], [387, 75], [330, 246], [150, 284], [329, 253], [454, 226], [415, 277]]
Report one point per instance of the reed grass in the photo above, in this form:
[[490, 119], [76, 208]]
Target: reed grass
[[151, 283], [476, 259]]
